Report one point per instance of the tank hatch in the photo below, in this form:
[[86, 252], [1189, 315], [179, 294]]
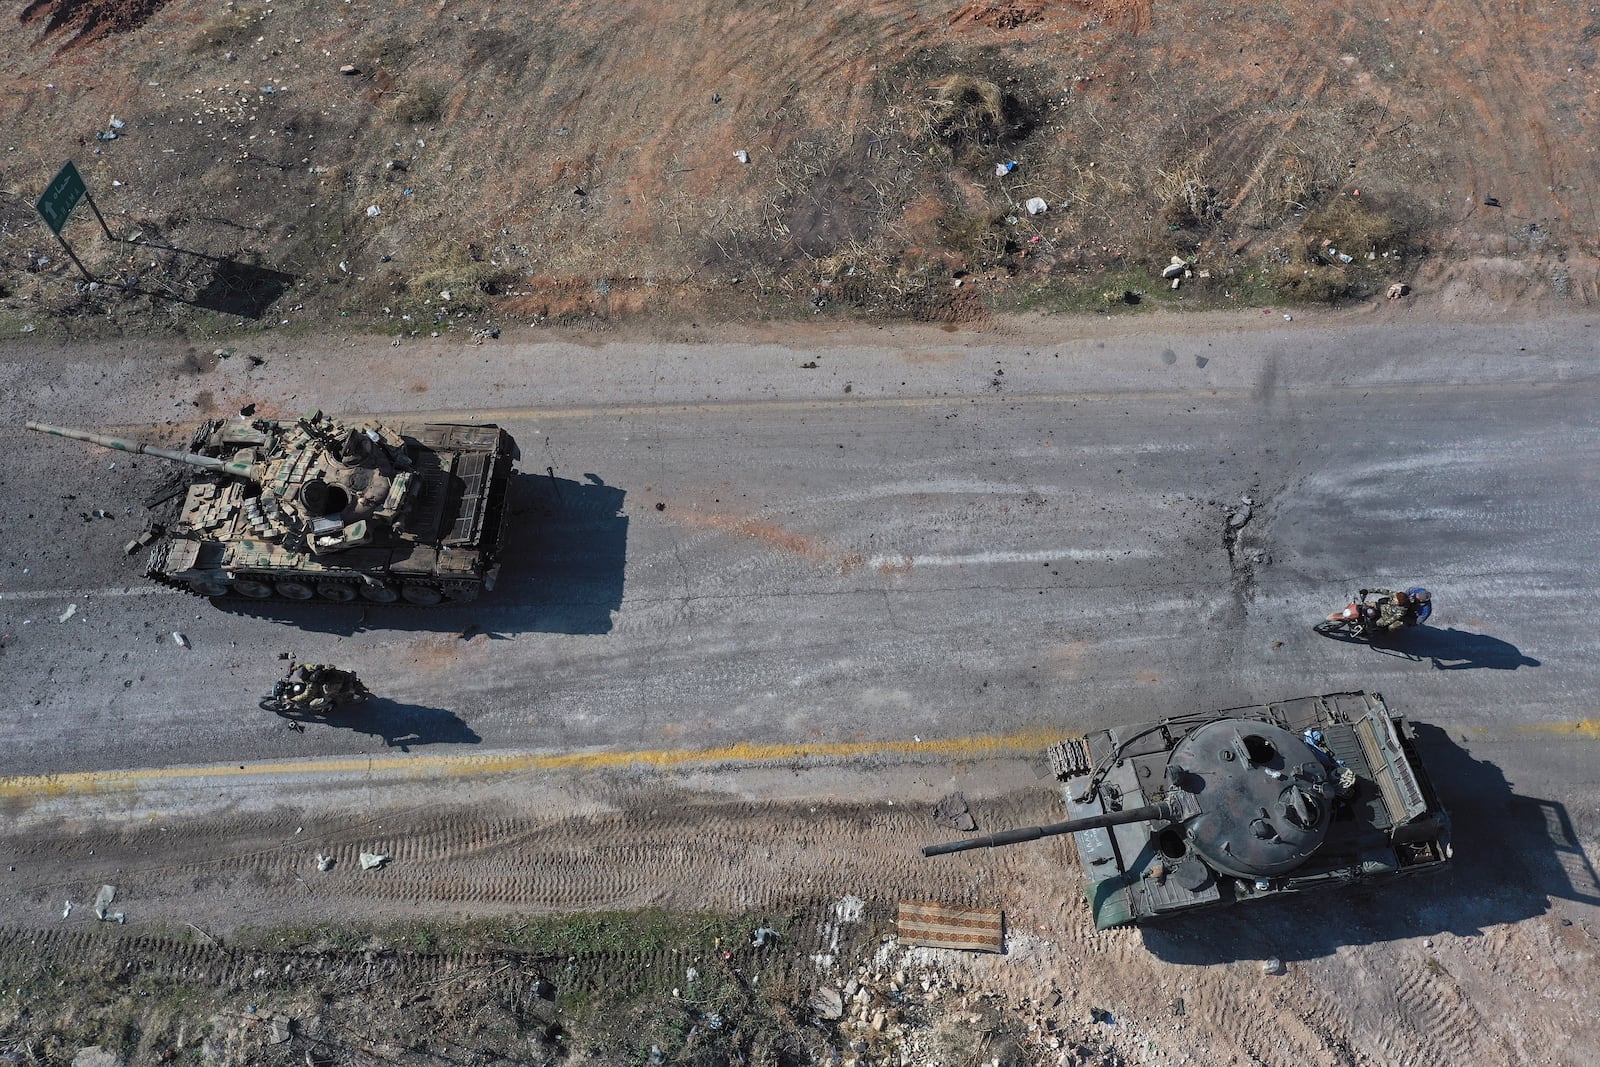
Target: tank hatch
[[1258, 799]]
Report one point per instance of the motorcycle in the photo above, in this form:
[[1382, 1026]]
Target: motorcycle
[[1362, 618], [324, 692]]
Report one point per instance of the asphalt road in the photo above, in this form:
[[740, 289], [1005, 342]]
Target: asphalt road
[[928, 535]]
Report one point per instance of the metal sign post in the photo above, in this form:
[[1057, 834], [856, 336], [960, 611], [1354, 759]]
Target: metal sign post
[[56, 203]]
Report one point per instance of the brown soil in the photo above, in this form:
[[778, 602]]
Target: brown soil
[[585, 921], [586, 169]]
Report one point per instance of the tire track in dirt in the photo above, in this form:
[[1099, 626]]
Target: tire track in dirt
[[1440, 1026]]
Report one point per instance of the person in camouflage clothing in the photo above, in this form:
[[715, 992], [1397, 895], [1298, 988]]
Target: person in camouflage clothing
[[1399, 607]]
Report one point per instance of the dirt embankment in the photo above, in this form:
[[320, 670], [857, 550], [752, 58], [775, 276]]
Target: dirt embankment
[[582, 163]]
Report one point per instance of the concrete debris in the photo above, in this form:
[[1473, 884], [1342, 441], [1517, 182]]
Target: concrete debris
[[828, 1004], [372, 860], [280, 1030], [349, 70], [102, 906], [95, 1056]]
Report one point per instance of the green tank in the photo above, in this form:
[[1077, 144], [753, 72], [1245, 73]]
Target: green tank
[[319, 508], [1220, 808]]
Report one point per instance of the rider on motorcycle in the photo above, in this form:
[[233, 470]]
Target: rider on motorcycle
[[320, 685], [1397, 609]]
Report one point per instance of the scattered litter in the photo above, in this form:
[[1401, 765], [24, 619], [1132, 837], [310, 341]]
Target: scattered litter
[[324, 863], [116, 123], [1100, 1015], [179, 640], [1398, 289], [1490, 201], [1175, 269], [1036, 205], [1002, 169], [828, 1004], [742, 156], [72, 609], [66, 911], [102, 904], [1288, 318], [29, 328], [373, 211], [349, 70], [691, 975], [952, 812], [1272, 965], [280, 1030], [372, 860], [762, 936]]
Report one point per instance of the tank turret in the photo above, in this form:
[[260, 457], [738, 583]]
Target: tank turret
[[1219, 808], [320, 507]]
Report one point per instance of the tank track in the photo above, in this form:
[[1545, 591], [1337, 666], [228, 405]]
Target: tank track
[[1069, 758], [235, 598]]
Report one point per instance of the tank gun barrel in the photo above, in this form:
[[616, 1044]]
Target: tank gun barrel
[[1055, 829], [122, 445]]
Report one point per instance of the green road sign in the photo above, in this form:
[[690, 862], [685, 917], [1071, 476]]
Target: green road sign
[[61, 196]]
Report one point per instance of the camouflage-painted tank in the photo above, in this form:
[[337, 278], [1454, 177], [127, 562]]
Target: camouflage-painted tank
[[319, 508], [1220, 808]]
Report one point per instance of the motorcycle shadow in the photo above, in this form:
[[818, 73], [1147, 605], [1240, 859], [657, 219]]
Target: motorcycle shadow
[[399, 725], [1452, 650]]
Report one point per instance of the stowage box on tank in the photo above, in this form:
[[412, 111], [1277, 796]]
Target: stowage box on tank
[[319, 508], [1220, 808]]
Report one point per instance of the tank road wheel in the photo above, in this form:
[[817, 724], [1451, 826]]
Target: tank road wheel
[[210, 587], [251, 588], [379, 593], [336, 592], [295, 590], [421, 595]]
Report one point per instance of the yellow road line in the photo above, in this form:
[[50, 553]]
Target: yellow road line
[[1589, 728], [28, 785]]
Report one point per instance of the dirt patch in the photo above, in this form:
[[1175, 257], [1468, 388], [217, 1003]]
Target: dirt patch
[[83, 22], [639, 915], [853, 171]]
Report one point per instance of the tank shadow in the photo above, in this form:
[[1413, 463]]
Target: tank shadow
[[562, 572], [1513, 856], [399, 725]]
